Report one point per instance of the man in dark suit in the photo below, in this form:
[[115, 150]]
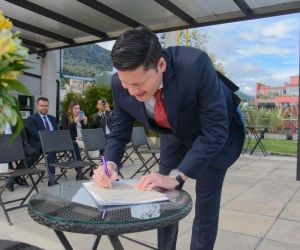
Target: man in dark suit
[[177, 93], [103, 118], [41, 120]]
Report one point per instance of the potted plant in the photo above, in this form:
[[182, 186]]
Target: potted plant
[[12, 57]]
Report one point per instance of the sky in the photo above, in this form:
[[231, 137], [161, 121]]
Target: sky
[[256, 51]]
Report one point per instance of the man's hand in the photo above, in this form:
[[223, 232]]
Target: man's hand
[[106, 107], [101, 179], [153, 180]]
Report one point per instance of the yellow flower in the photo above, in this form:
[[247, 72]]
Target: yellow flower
[[4, 22], [7, 44], [10, 75]]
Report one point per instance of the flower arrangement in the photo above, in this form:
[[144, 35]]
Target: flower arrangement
[[12, 57]]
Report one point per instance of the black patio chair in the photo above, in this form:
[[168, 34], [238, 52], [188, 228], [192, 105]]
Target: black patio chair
[[13, 152], [94, 140], [128, 154], [60, 141], [142, 149]]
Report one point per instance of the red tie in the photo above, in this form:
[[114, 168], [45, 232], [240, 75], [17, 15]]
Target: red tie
[[160, 115], [47, 127]]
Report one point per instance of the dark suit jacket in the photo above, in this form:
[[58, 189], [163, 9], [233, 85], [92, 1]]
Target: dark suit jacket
[[34, 124], [66, 124], [206, 129], [103, 120]]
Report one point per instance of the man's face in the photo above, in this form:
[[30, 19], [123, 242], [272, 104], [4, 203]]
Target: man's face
[[143, 84], [42, 107]]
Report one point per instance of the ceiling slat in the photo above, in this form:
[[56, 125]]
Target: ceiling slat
[[244, 7], [34, 44], [110, 12], [40, 31], [176, 11], [57, 17]]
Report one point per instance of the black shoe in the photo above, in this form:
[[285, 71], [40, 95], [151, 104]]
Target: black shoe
[[52, 183], [10, 185], [81, 178], [20, 181]]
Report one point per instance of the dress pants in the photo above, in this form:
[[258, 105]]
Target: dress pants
[[207, 208]]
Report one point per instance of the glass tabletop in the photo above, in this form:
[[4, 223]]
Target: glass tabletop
[[70, 207]]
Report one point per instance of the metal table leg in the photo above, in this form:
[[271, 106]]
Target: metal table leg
[[96, 243], [63, 240], [116, 243]]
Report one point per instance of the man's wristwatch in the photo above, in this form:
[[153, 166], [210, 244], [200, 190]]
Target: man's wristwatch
[[175, 175]]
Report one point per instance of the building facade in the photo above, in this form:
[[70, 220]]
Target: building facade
[[282, 97]]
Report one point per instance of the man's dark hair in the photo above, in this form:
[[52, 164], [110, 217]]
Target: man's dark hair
[[135, 47], [44, 99]]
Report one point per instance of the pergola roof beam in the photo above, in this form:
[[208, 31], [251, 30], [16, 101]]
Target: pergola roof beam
[[110, 12], [57, 17], [34, 44], [244, 7], [40, 31], [176, 11]]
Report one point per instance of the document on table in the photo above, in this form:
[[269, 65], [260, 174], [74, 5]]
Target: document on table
[[121, 193]]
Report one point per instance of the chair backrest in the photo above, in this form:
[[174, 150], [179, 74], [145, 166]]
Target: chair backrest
[[24, 137], [56, 141], [11, 151], [93, 139], [139, 137]]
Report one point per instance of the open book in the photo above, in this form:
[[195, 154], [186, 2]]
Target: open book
[[122, 192]]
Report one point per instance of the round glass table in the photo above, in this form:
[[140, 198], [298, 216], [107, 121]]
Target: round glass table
[[69, 207]]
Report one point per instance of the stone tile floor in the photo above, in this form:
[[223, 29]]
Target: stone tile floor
[[260, 210]]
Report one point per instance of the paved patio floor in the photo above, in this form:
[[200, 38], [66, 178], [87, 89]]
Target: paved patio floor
[[260, 210]]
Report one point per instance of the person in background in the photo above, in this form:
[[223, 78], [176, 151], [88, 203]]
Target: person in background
[[103, 118], [178, 93], [40, 121], [75, 120]]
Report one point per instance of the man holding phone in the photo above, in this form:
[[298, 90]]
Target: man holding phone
[[103, 118]]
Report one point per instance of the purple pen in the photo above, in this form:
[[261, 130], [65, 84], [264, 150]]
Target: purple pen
[[105, 166]]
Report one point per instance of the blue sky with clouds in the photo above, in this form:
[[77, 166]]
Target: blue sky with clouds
[[262, 50]]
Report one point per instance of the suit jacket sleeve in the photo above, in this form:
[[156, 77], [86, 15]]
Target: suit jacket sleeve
[[122, 125], [31, 126], [214, 121]]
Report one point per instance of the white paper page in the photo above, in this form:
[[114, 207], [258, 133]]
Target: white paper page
[[122, 192]]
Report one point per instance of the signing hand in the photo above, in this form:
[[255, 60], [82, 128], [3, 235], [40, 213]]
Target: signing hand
[[101, 179], [148, 182]]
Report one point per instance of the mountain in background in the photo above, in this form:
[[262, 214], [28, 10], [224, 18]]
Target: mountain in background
[[244, 97], [86, 61]]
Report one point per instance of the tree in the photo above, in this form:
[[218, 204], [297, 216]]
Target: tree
[[196, 40]]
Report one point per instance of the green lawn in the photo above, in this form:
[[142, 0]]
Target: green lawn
[[282, 147]]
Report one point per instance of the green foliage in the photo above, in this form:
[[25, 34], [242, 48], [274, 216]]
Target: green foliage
[[272, 118], [71, 96], [88, 100], [12, 57], [86, 61], [93, 94]]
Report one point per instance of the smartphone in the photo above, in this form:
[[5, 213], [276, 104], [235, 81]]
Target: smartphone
[[81, 115], [103, 101]]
